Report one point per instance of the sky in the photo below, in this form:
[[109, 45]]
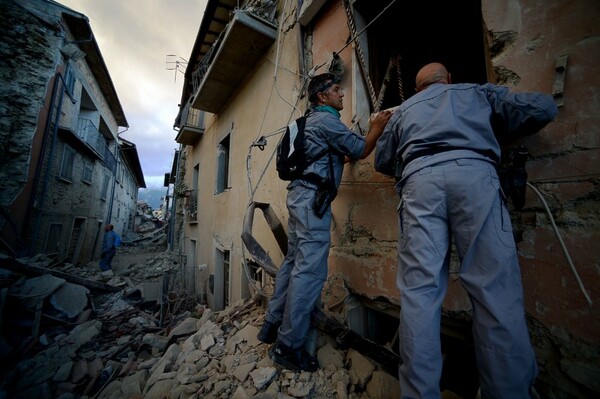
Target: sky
[[135, 37]]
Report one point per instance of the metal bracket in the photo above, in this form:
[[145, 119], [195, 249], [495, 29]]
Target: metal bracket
[[560, 68]]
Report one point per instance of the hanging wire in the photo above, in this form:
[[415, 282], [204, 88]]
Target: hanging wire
[[562, 244], [365, 28], [353, 39]]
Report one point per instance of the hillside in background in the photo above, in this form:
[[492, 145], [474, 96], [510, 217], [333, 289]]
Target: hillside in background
[[152, 196]]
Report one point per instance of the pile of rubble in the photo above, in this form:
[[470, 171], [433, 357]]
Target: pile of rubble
[[117, 347]]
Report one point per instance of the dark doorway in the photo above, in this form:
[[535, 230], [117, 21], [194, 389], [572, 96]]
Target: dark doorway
[[415, 33]]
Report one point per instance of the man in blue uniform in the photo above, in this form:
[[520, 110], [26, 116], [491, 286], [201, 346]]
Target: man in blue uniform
[[109, 248], [303, 272], [441, 146]]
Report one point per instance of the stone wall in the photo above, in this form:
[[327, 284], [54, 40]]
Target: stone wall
[[29, 56]]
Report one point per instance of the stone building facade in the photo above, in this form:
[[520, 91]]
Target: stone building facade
[[66, 172], [238, 97]]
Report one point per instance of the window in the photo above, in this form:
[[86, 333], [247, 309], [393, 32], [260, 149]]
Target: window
[[53, 239], [105, 182], [66, 164], [70, 80], [76, 240], [223, 165], [226, 273], [221, 279], [88, 171]]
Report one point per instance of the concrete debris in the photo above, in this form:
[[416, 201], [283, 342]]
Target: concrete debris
[[70, 299], [149, 339], [213, 361]]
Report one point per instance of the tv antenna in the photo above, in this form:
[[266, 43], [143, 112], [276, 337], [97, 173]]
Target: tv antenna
[[176, 63]]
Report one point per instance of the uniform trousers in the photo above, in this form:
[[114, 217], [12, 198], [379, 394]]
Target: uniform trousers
[[461, 199], [301, 276]]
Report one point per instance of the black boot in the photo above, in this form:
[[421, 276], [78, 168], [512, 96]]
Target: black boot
[[293, 359], [268, 332]]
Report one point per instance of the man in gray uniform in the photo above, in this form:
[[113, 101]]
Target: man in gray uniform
[[441, 146], [303, 272]]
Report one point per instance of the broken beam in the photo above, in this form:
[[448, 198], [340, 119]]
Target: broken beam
[[18, 267], [347, 338]]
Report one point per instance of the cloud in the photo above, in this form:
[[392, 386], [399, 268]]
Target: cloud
[[134, 38]]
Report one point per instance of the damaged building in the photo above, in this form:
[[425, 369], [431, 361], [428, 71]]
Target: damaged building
[[65, 171], [246, 80]]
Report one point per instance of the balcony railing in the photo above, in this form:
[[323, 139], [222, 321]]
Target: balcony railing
[[90, 135], [192, 117], [231, 58], [191, 125]]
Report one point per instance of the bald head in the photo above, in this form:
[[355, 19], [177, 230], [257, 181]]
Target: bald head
[[430, 74]]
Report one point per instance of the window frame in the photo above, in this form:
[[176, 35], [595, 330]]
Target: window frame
[[67, 161]]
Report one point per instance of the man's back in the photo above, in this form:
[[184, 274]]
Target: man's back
[[467, 118], [446, 117]]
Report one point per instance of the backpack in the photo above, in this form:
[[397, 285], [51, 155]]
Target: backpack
[[291, 160]]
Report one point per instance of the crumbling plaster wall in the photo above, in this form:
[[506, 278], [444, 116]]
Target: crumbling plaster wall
[[565, 156], [29, 56], [564, 168]]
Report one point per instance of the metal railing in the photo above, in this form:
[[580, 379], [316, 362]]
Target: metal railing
[[192, 117], [264, 10], [198, 74], [89, 134]]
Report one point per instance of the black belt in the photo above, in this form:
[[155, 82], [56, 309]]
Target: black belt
[[432, 151]]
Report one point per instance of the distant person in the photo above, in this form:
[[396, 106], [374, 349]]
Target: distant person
[[441, 146], [329, 144], [110, 242]]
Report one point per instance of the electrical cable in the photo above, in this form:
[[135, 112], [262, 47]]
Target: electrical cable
[[353, 39], [366, 26], [562, 244]]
